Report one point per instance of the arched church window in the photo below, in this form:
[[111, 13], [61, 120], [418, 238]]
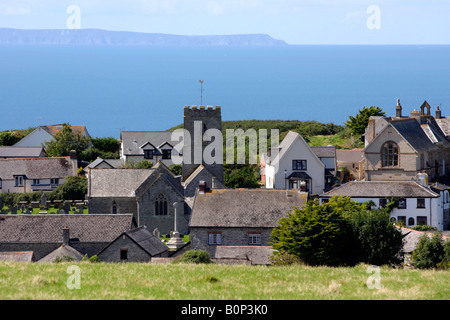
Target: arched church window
[[161, 205], [389, 154], [114, 208]]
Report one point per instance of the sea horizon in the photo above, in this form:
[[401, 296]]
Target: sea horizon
[[136, 88]]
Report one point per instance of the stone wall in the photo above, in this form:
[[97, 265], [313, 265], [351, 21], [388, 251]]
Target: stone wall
[[230, 237]]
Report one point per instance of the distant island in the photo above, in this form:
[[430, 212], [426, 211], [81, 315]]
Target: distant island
[[124, 38]]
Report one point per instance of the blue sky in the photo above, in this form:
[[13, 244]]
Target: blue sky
[[295, 21]]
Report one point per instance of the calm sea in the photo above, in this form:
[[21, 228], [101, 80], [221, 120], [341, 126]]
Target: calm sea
[[110, 89]]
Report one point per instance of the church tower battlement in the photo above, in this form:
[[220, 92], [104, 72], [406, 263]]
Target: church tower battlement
[[210, 118]]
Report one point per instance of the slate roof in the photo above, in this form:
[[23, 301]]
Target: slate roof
[[38, 168], [62, 252], [349, 155], [381, 189], [21, 152], [113, 163], [17, 256], [133, 140], [444, 124], [116, 182], [244, 207], [47, 228], [147, 241], [411, 130], [411, 238], [324, 152]]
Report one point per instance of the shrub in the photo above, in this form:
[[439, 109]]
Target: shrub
[[424, 228], [284, 259], [429, 252], [194, 256]]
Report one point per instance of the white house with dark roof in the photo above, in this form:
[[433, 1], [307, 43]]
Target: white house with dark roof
[[417, 204], [152, 146], [294, 165], [35, 174], [42, 134]]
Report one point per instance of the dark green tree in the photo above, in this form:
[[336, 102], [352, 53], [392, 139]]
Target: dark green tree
[[378, 241], [73, 188], [358, 123], [318, 234], [429, 252]]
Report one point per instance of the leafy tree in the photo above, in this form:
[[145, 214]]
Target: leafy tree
[[65, 141], [241, 176], [340, 232], [74, 188], [378, 241], [358, 123], [429, 252], [108, 144], [318, 234]]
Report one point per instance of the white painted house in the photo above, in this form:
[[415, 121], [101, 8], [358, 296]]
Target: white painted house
[[294, 165], [417, 204], [43, 134], [152, 146]]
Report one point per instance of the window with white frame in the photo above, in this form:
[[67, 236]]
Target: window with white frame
[[36, 182], [214, 238], [18, 180], [254, 239]]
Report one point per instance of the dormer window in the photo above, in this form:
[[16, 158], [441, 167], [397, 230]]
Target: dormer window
[[148, 154], [166, 150], [149, 150], [166, 154]]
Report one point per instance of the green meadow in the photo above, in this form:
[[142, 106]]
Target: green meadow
[[130, 281]]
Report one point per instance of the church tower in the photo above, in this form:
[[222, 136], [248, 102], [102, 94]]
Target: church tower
[[196, 122]]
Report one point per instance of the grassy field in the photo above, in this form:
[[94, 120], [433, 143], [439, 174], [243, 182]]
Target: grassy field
[[101, 281]]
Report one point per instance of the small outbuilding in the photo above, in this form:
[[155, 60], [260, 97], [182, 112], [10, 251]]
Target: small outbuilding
[[136, 245]]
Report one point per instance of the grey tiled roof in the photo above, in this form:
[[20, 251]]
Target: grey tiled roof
[[133, 140], [147, 241], [244, 207], [62, 252], [47, 228], [116, 182], [20, 152], [444, 124], [381, 189], [421, 137], [17, 256], [324, 152], [38, 168]]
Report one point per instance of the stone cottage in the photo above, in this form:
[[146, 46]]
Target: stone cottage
[[239, 217], [44, 233], [136, 245]]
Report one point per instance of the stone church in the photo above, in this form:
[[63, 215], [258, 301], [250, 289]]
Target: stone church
[[155, 196]]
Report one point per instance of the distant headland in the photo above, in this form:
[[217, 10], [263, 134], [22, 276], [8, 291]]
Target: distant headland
[[124, 38]]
